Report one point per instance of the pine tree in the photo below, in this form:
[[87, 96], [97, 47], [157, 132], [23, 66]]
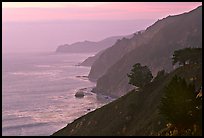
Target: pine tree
[[180, 106]]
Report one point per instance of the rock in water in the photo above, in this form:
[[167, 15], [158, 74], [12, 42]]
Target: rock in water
[[79, 94]]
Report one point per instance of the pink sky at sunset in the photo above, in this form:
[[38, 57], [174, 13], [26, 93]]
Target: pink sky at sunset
[[46, 11]]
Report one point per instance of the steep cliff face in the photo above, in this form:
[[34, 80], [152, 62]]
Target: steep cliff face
[[123, 47], [90, 60], [112, 54], [87, 46], [154, 50]]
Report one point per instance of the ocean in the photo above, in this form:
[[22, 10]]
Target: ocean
[[38, 94]]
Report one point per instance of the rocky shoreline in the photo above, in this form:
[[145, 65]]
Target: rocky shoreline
[[80, 93]]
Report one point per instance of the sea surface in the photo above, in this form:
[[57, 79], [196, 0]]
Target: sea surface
[[38, 94]]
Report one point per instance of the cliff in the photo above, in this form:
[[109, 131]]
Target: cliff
[[154, 48], [112, 54], [90, 60]]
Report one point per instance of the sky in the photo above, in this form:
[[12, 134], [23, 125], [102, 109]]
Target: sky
[[45, 11], [42, 26]]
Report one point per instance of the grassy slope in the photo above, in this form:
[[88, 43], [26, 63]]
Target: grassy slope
[[135, 113]]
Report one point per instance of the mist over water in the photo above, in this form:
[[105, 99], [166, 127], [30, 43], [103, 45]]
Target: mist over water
[[38, 92]]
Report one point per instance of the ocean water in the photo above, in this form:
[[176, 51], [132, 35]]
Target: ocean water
[[38, 92]]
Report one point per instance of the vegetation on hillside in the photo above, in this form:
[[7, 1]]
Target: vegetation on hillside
[[180, 105], [182, 108], [187, 55], [169, 105], [182, 101], [140, 75]]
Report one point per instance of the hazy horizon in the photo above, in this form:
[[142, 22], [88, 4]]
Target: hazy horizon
[[47, 35], [37, 27]]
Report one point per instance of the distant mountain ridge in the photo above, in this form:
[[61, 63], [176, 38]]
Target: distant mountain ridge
[[154, 48], [88, 46], [90, 60]]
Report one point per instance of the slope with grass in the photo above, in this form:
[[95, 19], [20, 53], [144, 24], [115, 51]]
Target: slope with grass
[[135, 113]]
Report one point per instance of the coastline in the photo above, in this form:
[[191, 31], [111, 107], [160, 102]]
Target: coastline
[[87, 92]]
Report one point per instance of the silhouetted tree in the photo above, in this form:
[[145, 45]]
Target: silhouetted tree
[[140, 75], [191, 55]]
